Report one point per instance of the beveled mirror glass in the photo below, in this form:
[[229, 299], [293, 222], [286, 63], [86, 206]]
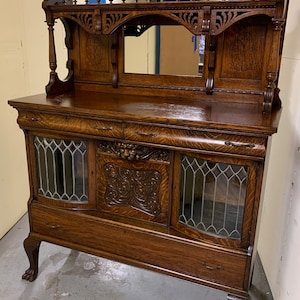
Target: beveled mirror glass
[[164, 50]]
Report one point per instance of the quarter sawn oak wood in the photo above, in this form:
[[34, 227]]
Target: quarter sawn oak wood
[[133, 132]]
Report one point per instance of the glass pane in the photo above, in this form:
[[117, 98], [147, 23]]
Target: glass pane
[[62, 169], [212, 196]]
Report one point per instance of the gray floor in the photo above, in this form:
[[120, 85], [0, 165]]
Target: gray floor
[[66, 274]]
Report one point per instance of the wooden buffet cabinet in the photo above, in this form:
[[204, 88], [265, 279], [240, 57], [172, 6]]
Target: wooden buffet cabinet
[[156, 170]]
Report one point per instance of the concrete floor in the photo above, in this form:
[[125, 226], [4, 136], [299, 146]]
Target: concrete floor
[[66, 274]]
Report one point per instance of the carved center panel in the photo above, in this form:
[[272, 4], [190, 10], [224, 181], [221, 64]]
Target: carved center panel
[[134, 188], [133, 180]]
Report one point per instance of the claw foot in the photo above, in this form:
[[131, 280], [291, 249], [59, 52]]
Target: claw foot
[[32, 247], [29, 275]]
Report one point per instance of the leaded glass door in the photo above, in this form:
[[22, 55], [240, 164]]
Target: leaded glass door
[[62, 171], [214, 198]]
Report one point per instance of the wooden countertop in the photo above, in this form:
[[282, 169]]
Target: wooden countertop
[[210, 115]]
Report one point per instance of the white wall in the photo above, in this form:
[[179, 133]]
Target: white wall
[[279, 239], [23, 71]]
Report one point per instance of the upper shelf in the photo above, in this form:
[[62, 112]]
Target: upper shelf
[[204, 16]]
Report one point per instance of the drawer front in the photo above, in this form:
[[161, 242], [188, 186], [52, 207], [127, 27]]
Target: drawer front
[[143, 247], [70, 124], [219, 142], [193, 139]]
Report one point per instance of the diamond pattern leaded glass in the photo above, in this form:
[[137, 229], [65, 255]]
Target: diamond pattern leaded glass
[[213, 196], [62, 169]]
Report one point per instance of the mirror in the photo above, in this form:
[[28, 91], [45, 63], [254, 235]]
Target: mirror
[[164, 50]]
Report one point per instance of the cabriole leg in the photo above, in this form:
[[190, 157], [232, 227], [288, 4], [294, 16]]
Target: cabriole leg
[[32, 247]]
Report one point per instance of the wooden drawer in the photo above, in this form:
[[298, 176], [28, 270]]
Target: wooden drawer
[[70, 124], [170, 137], [196, 139], [155, 250]]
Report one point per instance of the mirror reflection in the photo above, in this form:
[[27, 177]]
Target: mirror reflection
[[164, 50]]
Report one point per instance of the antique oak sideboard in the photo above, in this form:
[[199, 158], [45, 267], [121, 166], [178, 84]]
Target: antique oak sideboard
[[156, 168]]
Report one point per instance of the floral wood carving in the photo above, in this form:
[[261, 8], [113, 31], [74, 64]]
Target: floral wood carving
[[132, 151], [133, 188]]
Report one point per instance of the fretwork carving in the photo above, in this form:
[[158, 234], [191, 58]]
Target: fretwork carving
[[85, 20], [113, 20], [134, 188], [133, 152], [192, 20], [197, 19], [224, 18]]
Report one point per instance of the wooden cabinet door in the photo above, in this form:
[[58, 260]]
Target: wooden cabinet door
[[63, 170], [133, 181], [215, 197]]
